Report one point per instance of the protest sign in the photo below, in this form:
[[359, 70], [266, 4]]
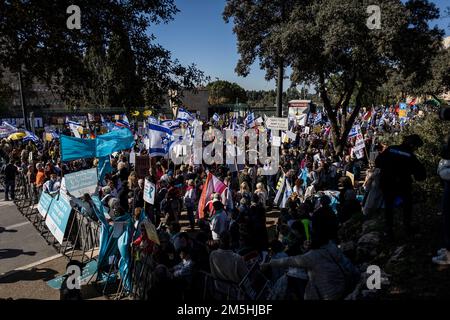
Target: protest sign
[[151, 231], [277, 123], [306, 130], [81, 182], [316, 157], [142, 166], [351, 176], [359, 153], [44, 203], [276, 141], [58, 216], [291, 135], [149, 192]]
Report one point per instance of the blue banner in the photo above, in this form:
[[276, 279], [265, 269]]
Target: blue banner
[[103, 167], [76, 148], [44, 203], [114, 141], [58, 216]]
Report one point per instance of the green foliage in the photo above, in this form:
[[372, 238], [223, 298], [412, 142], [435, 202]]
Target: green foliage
[[225, 92], [328, 44], [433, 132], [112, 61]]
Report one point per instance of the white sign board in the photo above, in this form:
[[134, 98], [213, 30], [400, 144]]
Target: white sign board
[[149, 192], [291, 135], [81, 182], [277, 123]]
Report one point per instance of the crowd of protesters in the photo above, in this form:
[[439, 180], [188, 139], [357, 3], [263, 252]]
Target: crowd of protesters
[[299, 254]]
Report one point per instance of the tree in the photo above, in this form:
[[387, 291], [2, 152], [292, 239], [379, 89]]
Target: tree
[[113, 48], [225, 92], [331, 47], [260, 26]]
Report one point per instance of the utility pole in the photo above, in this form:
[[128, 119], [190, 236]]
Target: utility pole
[[22, 99]]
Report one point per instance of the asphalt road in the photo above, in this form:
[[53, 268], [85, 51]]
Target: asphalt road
[[20, 243]]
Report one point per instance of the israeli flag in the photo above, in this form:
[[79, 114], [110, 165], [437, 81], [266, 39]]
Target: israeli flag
[[353, 132], [318, 118], [250, 120], [216, 117], [125, 120], [74, 126], [10, 127], [160, 139], [185, 116], [153, 120], [171, 124], [30, 136]]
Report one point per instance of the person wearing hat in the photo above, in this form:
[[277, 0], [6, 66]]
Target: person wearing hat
[[397, 164]]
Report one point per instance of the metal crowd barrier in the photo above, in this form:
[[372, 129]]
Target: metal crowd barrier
[[81, 235]]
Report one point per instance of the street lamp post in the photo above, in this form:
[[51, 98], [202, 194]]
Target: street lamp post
[[22, 99]]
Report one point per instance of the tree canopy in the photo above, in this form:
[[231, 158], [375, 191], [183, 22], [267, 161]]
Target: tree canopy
[[113, 60], [225, 92], [328, 44]]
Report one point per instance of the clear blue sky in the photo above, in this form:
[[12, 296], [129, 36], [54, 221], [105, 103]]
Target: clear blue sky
[[199, 35]]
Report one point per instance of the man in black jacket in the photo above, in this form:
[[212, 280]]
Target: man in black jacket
[[10, 180], [398, 164]]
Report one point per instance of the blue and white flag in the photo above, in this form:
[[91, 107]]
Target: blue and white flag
[[74, 127], [184, 115], [160, 139], [30, 136], [354, 131], [52, 131], [250, 120], [318, 118], [6, 129], [216, 117], [171, 124], [152, 120]]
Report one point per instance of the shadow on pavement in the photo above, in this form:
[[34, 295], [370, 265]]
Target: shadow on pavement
[[2, 229], [44, 274], [12, 253]]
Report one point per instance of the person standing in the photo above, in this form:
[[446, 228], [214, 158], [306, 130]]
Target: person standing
[[397, 164], [443, 255], [10, 180], [189, 202]]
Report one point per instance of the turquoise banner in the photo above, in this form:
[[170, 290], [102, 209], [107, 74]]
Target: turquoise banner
[[76, 148], [58, 217], [44, 203]]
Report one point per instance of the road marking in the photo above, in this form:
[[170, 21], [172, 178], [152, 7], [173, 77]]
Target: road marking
[[17, 225]]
